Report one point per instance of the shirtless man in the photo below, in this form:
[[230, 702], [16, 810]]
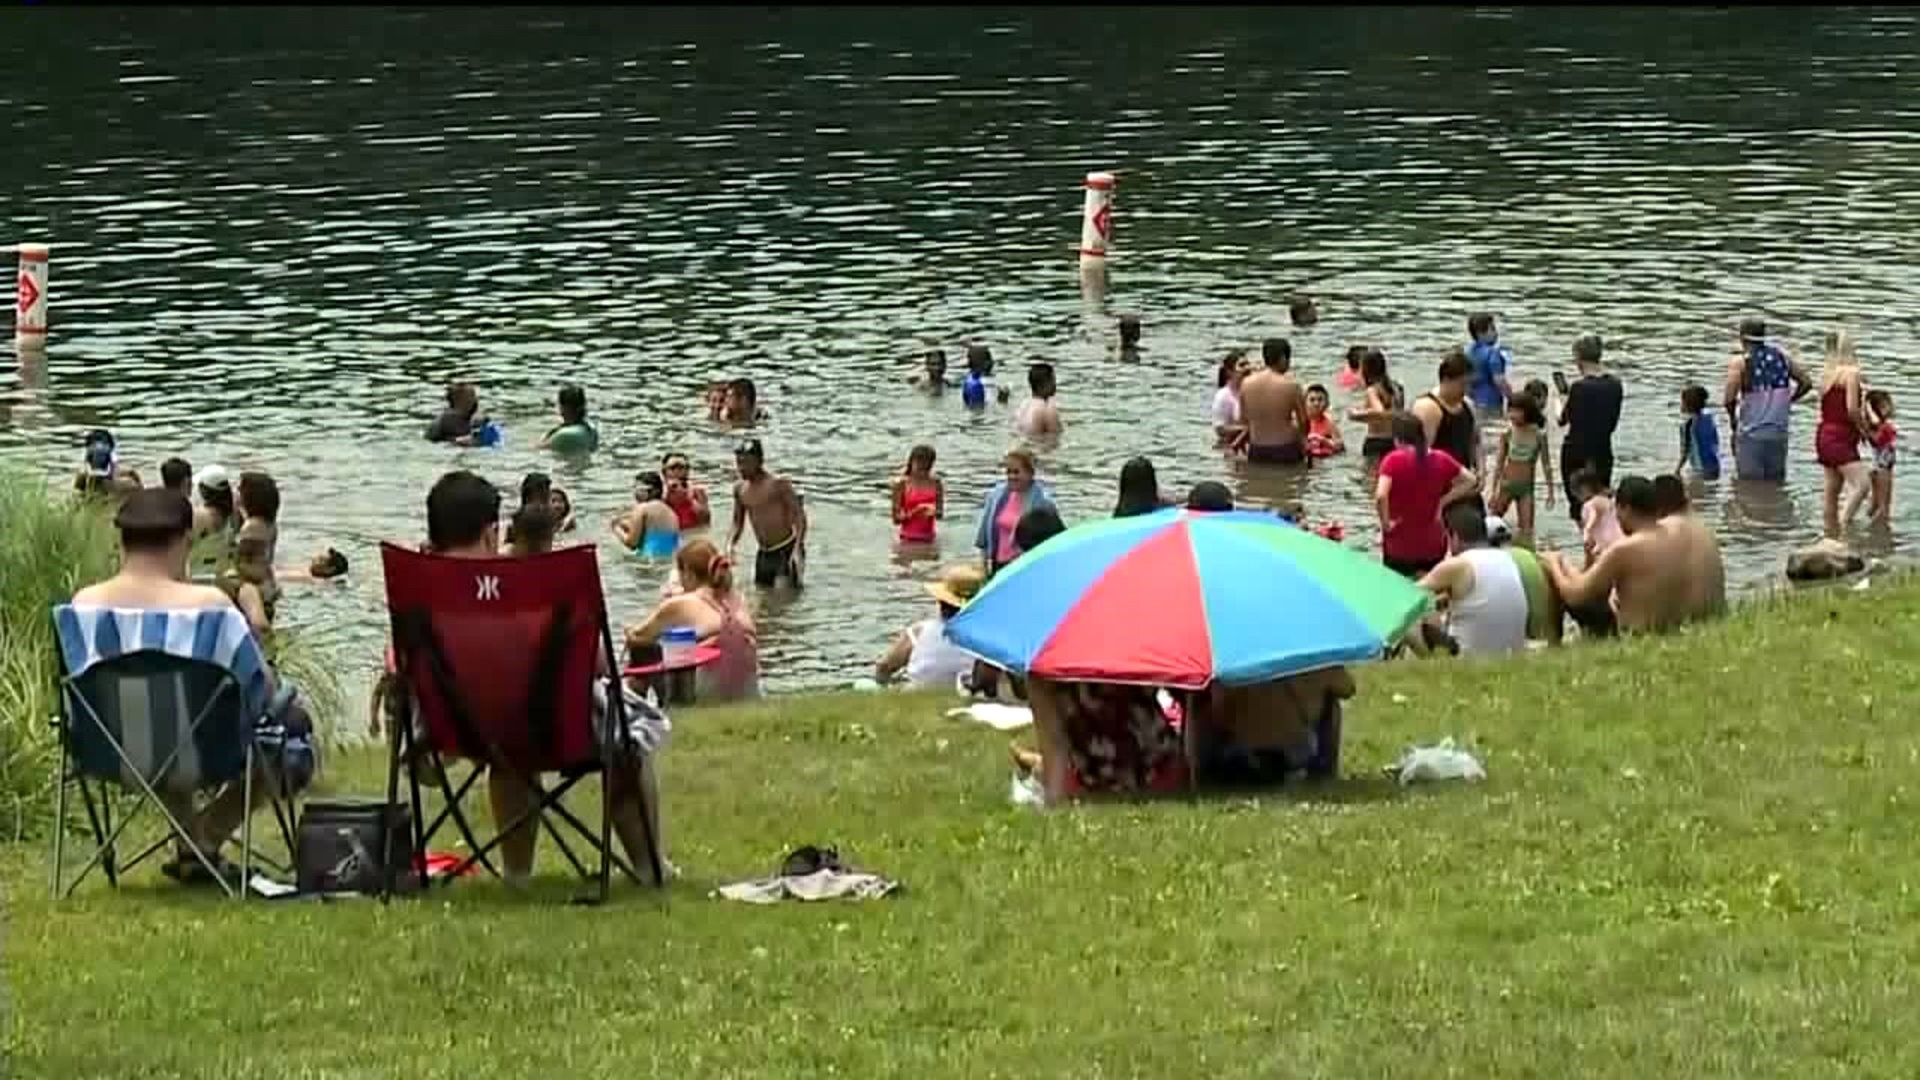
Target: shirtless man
[[1662, 574], [1274, 409], [779, 521], [156, 531]]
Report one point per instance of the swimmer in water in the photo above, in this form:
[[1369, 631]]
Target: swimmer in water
[[574, 435], [1303, 310], [560, 505], [933, 373], [742, 408], [919, 497], [1130, 338], [651, 528], [716, 399], [772, 504], [975, 388], [1039, 415], [1350, 378], [1323, 433], [458, 422], [688, 499], [532, 531]]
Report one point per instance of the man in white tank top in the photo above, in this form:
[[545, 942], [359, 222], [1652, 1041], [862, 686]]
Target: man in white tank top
[[1479, 587]]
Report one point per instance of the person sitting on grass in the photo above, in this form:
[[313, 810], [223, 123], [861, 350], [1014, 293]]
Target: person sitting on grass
[[156, 529], [463, 522], [922, 651], [1478, 588], [1664, 573]]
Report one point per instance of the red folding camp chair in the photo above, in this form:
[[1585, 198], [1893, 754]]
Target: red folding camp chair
[[497, 660]]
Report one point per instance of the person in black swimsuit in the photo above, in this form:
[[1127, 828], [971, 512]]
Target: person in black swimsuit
[[1590, 414], [1447, 418]]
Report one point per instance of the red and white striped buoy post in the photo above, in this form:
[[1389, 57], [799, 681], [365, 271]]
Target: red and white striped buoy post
[[1096, 221], [30, 304]]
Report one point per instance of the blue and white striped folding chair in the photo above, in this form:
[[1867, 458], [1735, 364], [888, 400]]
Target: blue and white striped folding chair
[[158, 703]]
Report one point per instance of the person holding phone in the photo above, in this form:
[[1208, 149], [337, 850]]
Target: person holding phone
[[1589, 411]]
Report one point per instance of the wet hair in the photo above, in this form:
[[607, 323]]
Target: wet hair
[[980, 359], [1300, 310], [921, 452], [1024, 457], [535, 487], [330, 564], [748, 392], [1879, 401], [1454, 365], [1669, 494], [1139, 489], [460, 508], [1373, 367], [1355, 354], [1753, 331], [1467, 523], [533, 527], [1316, 388], [153, 520], [1587, 482], [259, 496], [1129, 329], [1277, 353], [1229, 364], [1479, 323], [461, 396], [1530, 407], [573, 404], [1040, 380], [651, 483], [1210, 496], [1638, 494], [176, 475], [1408, 431], [1587, 349], [702, 564], [1036, 527], [1694, 398]]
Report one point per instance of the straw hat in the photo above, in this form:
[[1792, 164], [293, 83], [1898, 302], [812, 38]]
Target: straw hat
[[957, 585]]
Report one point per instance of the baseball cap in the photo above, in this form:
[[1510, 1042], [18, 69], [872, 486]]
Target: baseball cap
[[1498, 531], [749, 448], [213, 476]]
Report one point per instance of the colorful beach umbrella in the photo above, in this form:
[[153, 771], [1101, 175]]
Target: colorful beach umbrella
[[1184, 599]]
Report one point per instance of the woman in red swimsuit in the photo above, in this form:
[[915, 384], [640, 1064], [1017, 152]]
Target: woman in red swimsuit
[[919, 498], [1836, 442], [688, 499]]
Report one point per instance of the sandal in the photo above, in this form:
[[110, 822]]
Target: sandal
[[188, 870]]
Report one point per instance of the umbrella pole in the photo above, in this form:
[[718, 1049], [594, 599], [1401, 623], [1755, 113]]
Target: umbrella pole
[[1190, 744]]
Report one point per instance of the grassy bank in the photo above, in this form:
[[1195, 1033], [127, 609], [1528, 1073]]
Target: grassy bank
[[1693, 857]]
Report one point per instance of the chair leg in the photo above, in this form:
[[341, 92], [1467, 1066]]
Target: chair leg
[[387, 883], [606, 834], [246, 823], [59, 823]]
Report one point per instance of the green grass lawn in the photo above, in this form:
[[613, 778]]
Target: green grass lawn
[[1693, 857]]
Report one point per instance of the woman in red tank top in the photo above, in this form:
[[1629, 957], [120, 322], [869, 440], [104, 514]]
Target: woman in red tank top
[[1836, 441], [919, 498], [687, 499]]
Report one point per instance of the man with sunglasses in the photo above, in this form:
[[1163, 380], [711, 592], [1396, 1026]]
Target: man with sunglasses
[[688, 499]]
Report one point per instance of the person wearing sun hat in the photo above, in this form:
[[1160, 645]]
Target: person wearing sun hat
[[923, 651]]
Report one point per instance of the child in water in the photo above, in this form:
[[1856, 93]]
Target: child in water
[[1883, 438], [919, 497], [975, 388], [1699, 439], [1323, 434], [933, 372], [1349, 378], [1524, 454], [1599, 525], [651, 529], [460, 422], [560, 504]]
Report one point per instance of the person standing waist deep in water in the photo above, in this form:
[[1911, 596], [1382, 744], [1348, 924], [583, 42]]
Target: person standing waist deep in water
[[997, 536], [1590, 414], [1763, 382], [1444, 414], [779, 521], [1274, 409]]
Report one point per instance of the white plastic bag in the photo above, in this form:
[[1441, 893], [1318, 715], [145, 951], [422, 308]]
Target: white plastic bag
[[1443, 762]]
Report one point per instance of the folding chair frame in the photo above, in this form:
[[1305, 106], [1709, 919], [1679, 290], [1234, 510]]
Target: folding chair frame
[[97, 798], [414, 637]]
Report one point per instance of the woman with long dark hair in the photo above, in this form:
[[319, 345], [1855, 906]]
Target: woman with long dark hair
[[1139, 489], [1415, 487]]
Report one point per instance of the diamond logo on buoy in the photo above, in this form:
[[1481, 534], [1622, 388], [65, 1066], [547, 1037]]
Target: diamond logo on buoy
[[29, 294], [1103, 220]]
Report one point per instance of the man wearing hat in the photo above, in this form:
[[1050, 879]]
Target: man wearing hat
[[923, 650], [215, 515]]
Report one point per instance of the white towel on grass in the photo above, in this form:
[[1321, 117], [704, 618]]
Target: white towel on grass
[[995, 715]]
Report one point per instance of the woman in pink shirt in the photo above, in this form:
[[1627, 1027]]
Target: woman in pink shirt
[[1006, 502], [1416, 485]]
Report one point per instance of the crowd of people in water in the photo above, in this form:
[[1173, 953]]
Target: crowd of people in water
[[1458, 473]]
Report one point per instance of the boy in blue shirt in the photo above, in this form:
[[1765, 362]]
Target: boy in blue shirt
[[1487, 385], [1699, 438]]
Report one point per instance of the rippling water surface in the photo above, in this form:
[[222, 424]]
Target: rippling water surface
[[278, 233]]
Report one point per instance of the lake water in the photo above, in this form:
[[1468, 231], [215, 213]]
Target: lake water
[[279, 233]]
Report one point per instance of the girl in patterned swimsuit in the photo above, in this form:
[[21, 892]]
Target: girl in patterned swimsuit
[[1523, 452]]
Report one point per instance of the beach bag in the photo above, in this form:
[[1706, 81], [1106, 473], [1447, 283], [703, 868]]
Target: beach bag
[[346, 845]]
